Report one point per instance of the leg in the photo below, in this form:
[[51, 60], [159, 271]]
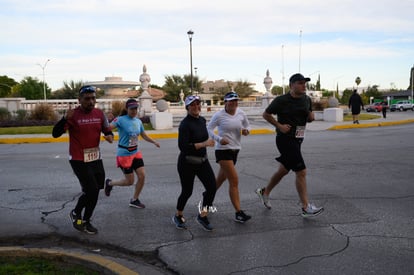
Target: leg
[[221, 177], [187, 176], [128, 180], [229, 172], [301, 187], [275, 179], [207, 178], [140, 182]]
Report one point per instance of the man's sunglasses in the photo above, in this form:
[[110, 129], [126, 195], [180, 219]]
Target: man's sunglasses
[[87, 89]]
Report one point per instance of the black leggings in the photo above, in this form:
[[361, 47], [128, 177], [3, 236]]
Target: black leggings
[[187, 174], [91, 177]]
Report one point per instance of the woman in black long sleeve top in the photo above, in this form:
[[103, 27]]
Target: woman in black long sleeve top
[[192, 141]]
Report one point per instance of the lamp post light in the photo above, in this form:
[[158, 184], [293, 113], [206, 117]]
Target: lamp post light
[[44, 84], [190, 37]]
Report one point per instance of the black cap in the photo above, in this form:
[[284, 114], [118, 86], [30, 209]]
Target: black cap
[[298, 77]]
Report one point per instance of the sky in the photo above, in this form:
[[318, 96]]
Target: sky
[[233, 40]]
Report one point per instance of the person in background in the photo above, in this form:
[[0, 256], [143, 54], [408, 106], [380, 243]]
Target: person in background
[[129, 156], [193, 139], [384, 105], [231, 123], [293, 111], [355, 104], [85, 124]]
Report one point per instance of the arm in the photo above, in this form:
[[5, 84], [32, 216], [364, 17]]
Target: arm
[[246, 125], [149, 139], [59, 127], [211, 126], [107, 130], [284, 128]]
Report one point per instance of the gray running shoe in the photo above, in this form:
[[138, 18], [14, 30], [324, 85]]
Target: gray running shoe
[[203, 221], [108, 188], [264, 198], [136, 203], [179, 222], [311, 211], [89, 228], [241, 217]]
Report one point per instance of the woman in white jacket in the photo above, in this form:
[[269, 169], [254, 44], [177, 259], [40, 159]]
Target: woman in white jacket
[[231, 123]]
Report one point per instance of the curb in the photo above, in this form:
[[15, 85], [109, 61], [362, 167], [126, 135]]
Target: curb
[[86, 259], [373, 124], [154, 135]]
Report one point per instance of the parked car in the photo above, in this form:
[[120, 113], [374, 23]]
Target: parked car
[[402, 105], [375, 107]]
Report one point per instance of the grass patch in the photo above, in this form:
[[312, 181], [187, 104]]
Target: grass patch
[[44, 266], [27, 130], [348, 117]]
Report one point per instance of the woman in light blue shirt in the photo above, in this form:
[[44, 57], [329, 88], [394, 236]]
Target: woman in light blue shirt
[[129, 156]]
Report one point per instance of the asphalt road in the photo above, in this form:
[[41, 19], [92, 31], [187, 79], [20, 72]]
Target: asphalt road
[[363, 178]]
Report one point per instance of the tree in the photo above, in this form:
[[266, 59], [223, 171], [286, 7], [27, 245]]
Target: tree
[[69, 90], [346, 94], [373, 92], [242, 88], [173, 86], [31, 88], [196, 82], [357, 81], [6, 86]]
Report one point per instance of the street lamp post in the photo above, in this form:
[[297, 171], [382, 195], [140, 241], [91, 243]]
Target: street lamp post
[[44, 84], [190, 37], [412, 82]]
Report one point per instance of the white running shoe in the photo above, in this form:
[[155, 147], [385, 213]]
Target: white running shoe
[[264, 198]]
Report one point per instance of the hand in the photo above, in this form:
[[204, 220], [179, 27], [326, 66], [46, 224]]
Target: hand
[[224, 141], [109, 138], [156, 144], [285, 128], [311, 117], [245, 132], [209, 142], [69, 114]]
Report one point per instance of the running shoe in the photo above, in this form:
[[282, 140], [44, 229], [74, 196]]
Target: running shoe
[[241, 217], [89, 228], [179, 222], [108, 188], [264, 198], [203, 221], [311, 211], [76, 220], [136, 203]]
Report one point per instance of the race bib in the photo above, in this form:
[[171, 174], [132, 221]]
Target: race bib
[[91, 154], [133, 140], [300, 132]]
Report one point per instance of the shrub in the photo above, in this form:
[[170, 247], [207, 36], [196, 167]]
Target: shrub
[[145, 119], [21, 115], [320, 105], [43, 112], [117, 107], [4, 114]]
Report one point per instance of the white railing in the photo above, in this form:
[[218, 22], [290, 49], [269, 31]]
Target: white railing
[[106, 105]]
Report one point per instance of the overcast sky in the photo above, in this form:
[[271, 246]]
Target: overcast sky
[[233, 40]]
